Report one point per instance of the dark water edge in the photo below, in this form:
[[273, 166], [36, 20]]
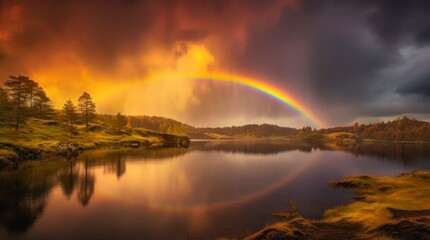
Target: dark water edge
[[212, 189]]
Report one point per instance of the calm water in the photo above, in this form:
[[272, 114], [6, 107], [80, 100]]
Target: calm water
[[210, 190]]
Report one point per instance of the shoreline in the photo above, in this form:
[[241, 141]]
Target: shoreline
[[12, 154], [388, 208]]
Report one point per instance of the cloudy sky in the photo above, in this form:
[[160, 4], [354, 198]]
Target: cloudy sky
[[344, 60]]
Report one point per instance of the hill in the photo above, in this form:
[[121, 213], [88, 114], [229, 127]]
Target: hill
[[402, 129], [250, 131]]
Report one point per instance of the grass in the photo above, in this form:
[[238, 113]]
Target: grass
[[379, 194], [46, 134], [388, 208], [7, 153]]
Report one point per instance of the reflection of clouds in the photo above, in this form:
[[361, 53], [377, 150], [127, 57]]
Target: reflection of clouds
[[205, 180]]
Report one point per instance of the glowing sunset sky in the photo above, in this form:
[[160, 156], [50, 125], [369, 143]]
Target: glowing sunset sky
[[343, 60]]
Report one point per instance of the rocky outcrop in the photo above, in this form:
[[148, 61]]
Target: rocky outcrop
[[135, 143], [412, 228], [22, 152], [168, 140], [8, 161], [171, 140], [67, 150]]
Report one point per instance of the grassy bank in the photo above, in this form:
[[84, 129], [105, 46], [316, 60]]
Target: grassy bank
[[387, 209], [39, 138]]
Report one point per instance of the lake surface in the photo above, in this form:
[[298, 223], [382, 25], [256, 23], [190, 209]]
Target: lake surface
[[212, 189]]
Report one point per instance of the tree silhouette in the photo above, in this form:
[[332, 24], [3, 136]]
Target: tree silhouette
[[42, 106], [87, 108], [19, 90], [4, 104], [121, 121], [69, 111], [86, 186], [69, 177]]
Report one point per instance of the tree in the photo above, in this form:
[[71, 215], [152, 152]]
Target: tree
[[69, 110], [17, 88], [4, 104], [87, 108], [42, 106], [121, 121], [30, 88]]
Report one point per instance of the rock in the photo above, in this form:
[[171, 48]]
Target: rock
[[8, 162], [418, 229], [67, 150], [95, 128], [171, 140], [132, 144]]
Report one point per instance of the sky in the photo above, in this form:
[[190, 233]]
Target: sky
[[344, 60]]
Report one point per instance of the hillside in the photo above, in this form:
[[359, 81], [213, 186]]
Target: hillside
[[402, 129], [249, 131], [43, 138]]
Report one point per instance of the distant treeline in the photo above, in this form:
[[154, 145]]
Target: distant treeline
[[161, 124], [253, 130], [401, 129]]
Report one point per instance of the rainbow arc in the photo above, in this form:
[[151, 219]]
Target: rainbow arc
[[272, 91]]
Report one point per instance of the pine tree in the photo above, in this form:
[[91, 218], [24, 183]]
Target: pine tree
[[87, 108], [17, 88], [4, 104], [69, 111], [42, 106], [121, 121]]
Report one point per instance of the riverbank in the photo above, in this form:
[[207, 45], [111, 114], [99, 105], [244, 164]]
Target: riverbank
[[46, 138], [386, 209]]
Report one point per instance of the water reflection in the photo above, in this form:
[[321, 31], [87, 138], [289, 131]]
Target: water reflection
[[68, 178], [23, 196], [86, 185], [212, 189]]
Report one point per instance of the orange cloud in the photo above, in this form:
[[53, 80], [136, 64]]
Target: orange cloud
[[115, 50]]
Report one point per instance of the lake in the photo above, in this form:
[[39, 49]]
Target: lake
[[212, 189]]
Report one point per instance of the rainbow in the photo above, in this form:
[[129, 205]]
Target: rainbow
[[272, 91]]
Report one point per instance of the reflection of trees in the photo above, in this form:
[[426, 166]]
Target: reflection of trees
[[402, 152], [107, 155], [116, 164], [23, 196], [86, 186], [68, 178], [254, 147]]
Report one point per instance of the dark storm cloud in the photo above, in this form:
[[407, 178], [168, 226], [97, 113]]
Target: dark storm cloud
[[101, 32], [345, 59], [346, 54], [394, 20], [419, 87]]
